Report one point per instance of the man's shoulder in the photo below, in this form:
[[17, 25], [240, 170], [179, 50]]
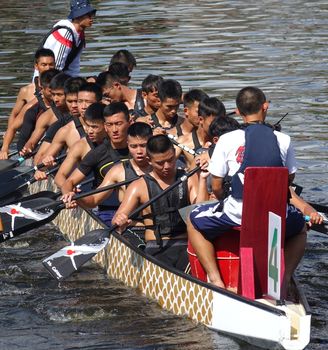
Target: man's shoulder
[[283, 139]]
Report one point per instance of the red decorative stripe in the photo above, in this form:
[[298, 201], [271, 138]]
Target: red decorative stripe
[[62, 40]]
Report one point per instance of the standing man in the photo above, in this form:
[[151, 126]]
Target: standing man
[[66, 39]]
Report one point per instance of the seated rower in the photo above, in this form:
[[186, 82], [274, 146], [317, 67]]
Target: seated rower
[[165, 230], [74, 129], [209, 109], [126, 57], [94, 136], [71, 88], [114, 85], [102, 158], [32, 114], [166, 118], [149, 88], [57, 111], [44, 59], [138, 165], [254, 145]]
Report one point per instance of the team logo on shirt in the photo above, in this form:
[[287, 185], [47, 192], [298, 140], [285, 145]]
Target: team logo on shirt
[[240, 154]]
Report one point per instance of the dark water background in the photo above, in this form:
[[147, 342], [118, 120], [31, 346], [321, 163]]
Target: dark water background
[[220, 46]]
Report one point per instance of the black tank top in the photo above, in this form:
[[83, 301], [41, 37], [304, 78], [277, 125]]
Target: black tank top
[[79, 127], [195, 140]]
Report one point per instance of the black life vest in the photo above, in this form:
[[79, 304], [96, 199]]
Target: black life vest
[[261, 150], [166, 218], [75, 48]]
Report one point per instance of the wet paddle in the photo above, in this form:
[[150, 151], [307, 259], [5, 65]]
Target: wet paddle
[[18, 218], [7, 164], [14, 190], [69, 259]]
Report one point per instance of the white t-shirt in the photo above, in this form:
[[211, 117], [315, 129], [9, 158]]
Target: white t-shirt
[[228, 156], [61, 42]]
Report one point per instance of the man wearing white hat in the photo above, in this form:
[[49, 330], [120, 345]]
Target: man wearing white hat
[[66, 38]]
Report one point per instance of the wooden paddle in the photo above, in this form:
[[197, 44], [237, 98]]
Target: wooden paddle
[[21, 217], [69, 259]]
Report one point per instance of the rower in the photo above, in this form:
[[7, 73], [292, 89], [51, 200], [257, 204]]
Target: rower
[[138, 165], [209, 109], [165, 230], [255, 145], [72, 131], [44, 60], [126, 57], [71, 88], [103, 157], [149, 88], [166, 118], [32, 114], [57, 111], [114, 85], [66, 38]]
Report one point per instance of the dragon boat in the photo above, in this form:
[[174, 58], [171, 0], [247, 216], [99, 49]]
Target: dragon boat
[[257, 314]]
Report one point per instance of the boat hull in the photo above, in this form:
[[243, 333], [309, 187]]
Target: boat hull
[[260, 323]]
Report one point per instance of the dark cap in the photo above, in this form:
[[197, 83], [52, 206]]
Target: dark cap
[[80, 8]]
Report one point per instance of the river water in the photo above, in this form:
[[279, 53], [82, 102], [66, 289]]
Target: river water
[[220, 46]]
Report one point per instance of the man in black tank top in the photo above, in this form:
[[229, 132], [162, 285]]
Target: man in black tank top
[[95, 134], [138, 165], [209, 109], [114, 85], [165, 231], [166, 118], [44, 60], [102, 158], [69, 134], [56, 110], [149, 88], [43, 104], [54, 140]]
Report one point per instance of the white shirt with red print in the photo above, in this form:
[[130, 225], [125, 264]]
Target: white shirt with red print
[[228, 156], [61, 43]]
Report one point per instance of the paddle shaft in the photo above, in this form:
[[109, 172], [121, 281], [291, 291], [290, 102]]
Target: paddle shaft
[[61, 205], [181, 145], [40, 165]]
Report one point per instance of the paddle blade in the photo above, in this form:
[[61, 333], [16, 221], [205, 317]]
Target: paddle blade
[[12, 174], [7, 164], [21, 217], [70, 258], [20, 184]]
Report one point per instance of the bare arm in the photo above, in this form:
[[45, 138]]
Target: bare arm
[[13, 126], [44, 121], [305, 208], [133, 197], [75, 178], [24, 98], [41, 152], [112, 177], [217, 186]]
